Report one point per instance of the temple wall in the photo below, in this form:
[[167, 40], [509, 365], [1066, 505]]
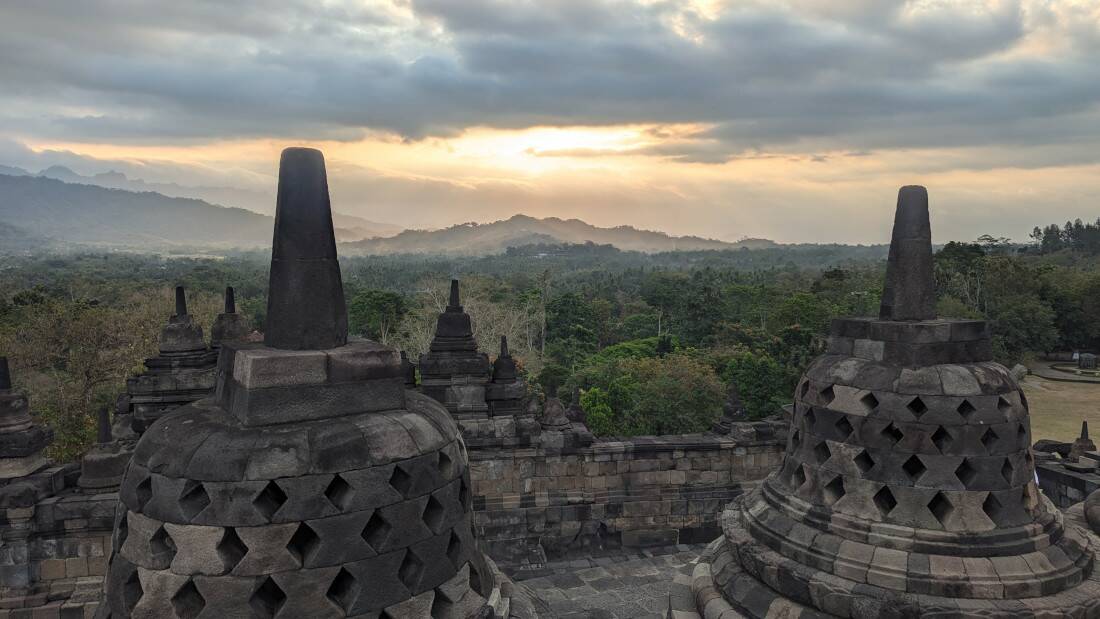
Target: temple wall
[[534, 504], [1065, 487]]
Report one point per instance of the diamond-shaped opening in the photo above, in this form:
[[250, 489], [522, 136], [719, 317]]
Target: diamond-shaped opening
[[884, 500], [344, 590], [1007, 470], [144, 492], [454, 550], [188, 602], [123, 530], [446, 466], [1021, 435], [338, 492], [966, 410], [231, 549], [992, 508], [132, 591], [917, 407], [941, 508], [476, 583], [804, 390], [1004, 405], [464, 495], [870, 402], [267, 600], [796, 439], [844, 427], [914, 468], [834, 490], [966, 473], [376, 532], [1023, 400], [864, 461], [827, 395], [434, 514], [400, 480], [822, 453], [892, 434], [269, 500], [412, 568], [194, 499], [941, 438], [303, 544], [811, 420], [989, 439], [162, 545], [798, 477]]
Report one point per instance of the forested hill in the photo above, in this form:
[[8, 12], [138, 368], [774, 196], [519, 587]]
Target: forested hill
[[79, 213], [496, 237]]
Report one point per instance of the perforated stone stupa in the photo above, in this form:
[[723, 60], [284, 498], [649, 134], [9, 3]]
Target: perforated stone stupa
[[908, 486], [312, 484]]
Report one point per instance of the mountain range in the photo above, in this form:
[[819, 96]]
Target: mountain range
[[58, 207], [495, 237]]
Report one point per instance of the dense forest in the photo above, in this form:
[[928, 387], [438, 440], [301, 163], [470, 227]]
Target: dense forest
[[651, 342]]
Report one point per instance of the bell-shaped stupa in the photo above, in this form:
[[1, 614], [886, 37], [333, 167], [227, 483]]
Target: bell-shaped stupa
[[312, 484], [908, 488]]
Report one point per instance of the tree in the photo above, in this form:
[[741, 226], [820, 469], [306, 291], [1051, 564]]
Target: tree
[[762, 382], [376, 313]]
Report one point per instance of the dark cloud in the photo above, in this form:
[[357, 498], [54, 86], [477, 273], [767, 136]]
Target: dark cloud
[[802, 77]]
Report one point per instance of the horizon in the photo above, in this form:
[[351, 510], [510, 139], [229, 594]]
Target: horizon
[[794, 122]]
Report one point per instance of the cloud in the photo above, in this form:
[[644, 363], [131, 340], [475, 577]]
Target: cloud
[[796, 77]]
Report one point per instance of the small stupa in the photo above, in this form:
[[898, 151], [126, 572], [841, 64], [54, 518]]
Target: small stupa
[[183, 371], [229, 326], [22, 441], [312, 484], [453, 372]]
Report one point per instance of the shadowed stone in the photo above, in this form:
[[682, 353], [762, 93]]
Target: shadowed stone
[[305, 303], [181, 301], [909, 293]]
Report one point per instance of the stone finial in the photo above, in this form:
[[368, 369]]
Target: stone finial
[[5, 374], [305, 301], [454, 304], [103, 431], [909, 293], [230, 301], [181, 301], [504, 346], [1085, 430]]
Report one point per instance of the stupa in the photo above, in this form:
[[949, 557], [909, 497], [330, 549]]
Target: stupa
[[229, 325], [105, 463], [312, 484], [183, 372], [453, 372], [506, 395], [22, 441], [908, 486]]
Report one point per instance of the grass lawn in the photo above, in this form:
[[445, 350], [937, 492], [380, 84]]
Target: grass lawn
[[1057, 408]]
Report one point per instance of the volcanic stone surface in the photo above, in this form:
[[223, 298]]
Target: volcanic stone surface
[[908, 488], [312, 484]]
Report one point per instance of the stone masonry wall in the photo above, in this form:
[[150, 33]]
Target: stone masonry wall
[[533, 505]]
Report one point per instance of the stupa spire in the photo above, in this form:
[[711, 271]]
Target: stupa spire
[[181, 301], [909, 293], [504, 346], [454, 303], [5, 374], [230, 301], [305, 300]]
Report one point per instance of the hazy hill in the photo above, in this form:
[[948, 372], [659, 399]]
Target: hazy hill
[[90, 214], [495, 237]]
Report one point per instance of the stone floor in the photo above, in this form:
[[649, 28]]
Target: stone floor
[[624, 586]]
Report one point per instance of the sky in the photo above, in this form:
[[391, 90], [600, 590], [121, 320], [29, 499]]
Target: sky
[[794, 120]]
